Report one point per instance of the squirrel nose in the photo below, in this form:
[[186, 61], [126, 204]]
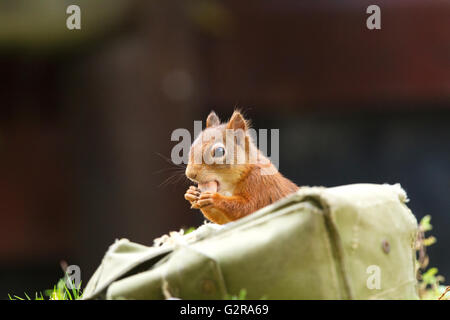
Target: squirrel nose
[[190, 173]]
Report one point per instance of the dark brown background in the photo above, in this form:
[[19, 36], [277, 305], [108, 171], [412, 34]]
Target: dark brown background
[[82, 122]]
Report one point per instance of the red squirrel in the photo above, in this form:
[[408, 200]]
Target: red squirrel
[[234, 178]]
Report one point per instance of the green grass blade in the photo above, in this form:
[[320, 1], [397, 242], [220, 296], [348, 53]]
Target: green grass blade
[[68, 293]]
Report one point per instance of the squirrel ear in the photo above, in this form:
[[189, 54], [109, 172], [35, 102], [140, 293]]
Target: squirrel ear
[[212, 120], [237, 121]]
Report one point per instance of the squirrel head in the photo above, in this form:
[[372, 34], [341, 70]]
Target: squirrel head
[[222, 154]]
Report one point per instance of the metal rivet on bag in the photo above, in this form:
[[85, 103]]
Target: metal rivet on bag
[[386, 246], [208, 286]]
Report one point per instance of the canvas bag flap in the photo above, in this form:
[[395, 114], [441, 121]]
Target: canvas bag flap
[[124, 257], [318, 243]]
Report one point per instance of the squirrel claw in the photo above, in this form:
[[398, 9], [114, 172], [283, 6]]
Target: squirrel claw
[[204, 203], [192, 195], [205, 199], [199, 199], [194, 205]]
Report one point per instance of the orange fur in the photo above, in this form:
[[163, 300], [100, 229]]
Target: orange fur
[[248, 190]]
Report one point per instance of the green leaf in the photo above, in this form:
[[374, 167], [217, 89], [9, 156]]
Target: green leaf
[[429, 241], [425, 223], [189, 230], [242, 294], [429, 276]]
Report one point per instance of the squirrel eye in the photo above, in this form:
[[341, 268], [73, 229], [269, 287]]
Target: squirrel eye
[[219, 152]]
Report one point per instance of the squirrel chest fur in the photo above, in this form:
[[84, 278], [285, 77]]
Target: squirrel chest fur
[[233, 177]]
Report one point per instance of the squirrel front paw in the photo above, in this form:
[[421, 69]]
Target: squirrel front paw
[[192, 195], [206, 199], [200, 199]]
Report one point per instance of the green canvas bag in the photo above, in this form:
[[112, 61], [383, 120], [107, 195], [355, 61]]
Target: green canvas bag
[[348, 242]]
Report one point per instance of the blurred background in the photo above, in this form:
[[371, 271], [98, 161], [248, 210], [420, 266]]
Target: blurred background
[[85, 114]]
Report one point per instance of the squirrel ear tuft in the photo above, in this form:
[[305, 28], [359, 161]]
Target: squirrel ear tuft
[[237, 121], [212, 120]]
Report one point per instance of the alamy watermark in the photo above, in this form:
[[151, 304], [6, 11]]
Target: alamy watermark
[[228, 146], [374, 279], [73, 22], [373, 22], [72, 277]]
